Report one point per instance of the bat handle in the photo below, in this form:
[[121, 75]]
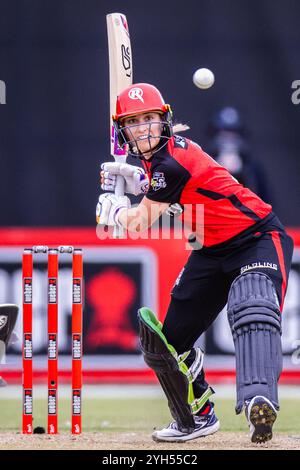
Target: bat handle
[[119, 191]]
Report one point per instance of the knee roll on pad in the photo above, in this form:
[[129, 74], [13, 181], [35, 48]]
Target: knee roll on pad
[[255, 321], [175, 377]]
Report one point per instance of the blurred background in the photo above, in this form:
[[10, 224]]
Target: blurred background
[[54, 62], [54, 133]]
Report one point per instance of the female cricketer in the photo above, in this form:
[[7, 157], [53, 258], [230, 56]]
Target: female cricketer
[[241, 257]]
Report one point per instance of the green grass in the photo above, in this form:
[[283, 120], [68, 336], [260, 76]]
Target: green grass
[[128, 415]]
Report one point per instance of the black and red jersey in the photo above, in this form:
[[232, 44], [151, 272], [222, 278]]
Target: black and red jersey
[[183, 173]]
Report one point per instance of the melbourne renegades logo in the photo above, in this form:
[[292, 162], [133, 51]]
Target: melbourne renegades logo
[[136, 94]]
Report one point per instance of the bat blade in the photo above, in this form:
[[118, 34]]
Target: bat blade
[[120, 77]]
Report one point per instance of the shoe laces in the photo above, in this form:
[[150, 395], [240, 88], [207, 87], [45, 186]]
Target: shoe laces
[[173, 425], [197, 418], [202, 418]]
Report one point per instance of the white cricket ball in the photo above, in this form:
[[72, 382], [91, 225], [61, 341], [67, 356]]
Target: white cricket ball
[[203, 78]]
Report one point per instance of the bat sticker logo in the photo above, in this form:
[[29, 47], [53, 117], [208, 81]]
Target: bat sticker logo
[[136, 94], [126, 59], [124, 23]]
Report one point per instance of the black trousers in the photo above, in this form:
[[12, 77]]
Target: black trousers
[[202, 288]]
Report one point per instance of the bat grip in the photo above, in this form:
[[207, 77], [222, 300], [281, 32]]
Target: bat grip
[[119, 191]]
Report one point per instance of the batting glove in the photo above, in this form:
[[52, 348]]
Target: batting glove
[[109, 207], [136, 180], [174, 210]]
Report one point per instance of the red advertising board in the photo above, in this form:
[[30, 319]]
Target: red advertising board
[[120, 276]]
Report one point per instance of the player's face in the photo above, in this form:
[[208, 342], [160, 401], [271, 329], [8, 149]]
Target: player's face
[[145, 129]]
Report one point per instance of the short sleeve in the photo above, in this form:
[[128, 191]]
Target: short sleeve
[[168, 179]]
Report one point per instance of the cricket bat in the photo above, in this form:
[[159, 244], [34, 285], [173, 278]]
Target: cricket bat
[[120, 77]]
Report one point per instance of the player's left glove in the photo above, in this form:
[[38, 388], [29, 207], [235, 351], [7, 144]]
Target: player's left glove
[[109, 207], [136, 180]]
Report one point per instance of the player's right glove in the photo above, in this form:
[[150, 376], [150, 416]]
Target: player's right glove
[[109, 207], [136, 180]]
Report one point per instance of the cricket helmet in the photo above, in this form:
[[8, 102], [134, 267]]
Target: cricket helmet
[[137, 99]]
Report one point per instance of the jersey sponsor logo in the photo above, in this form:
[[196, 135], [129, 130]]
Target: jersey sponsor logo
[[180, 142], [259, 265], [158, 181], [136, 94]]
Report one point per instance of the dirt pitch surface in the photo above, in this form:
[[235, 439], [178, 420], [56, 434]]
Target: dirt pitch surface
[[141, 441]]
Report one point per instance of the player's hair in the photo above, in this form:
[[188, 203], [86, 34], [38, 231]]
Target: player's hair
[[179, 127]]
